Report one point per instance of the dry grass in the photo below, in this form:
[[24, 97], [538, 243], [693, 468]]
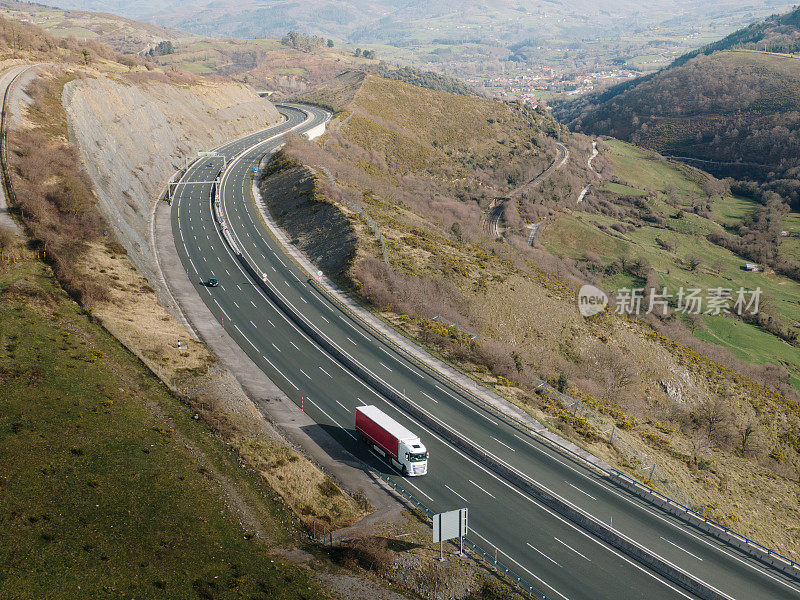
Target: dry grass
[[528, 321]]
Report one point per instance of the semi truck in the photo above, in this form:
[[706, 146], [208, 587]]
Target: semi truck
[[391, 440]]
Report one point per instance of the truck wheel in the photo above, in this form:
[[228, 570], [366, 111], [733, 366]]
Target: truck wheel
[[405, 470]]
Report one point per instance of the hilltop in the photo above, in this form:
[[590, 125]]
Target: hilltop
[[429, 167], [470, 38], [732, 110], [730, 105]]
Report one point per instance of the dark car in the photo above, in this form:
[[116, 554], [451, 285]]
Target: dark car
[[213, 282]]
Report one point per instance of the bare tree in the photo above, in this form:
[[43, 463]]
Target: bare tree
[[745, 433]]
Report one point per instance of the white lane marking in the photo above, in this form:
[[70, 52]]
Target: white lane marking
[[330, 417], [475, 410], [679, 548], [228, 272], [535, 549], [254, 304], [362, 402], [581, 491], [270, 322], [236, 305], [571, 548], [276, 348], [238, 286], [343, 406], [384, 366], [220, 307], [429, 396], [295, 345], [480, 488], [304, 300], [280, 372], [502, 443], [326, 373], [254, 325], [351, 341], [528, 571], [407, 482], [456, 493], [521, 494], [304, 373], [676, 526]]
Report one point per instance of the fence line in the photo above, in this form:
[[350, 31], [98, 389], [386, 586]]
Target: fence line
[[468, 543]]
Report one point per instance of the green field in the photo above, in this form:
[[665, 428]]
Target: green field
[[790, 246], [640, 169], [666, 248], [730, 211], [109, 488]]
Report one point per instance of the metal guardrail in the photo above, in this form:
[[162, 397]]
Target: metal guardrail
[[613, 475], [468, 543]]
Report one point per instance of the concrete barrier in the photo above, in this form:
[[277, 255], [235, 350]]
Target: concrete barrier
[[600, 530]]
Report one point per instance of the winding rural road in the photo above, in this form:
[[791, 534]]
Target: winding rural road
[[548, 550], [497, 208]]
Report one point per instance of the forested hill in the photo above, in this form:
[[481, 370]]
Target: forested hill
[[733, 110]]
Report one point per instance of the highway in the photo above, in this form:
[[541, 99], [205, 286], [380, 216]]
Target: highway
[[553, 554]]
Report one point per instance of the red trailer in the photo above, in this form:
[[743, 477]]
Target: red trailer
[[391, 440]]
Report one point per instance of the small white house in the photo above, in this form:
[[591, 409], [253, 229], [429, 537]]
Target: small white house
[[752, 267]]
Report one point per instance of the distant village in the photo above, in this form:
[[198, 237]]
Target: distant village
[[536, 86]]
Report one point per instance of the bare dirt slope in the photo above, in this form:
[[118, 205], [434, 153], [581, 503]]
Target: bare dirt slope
[[133, 136]]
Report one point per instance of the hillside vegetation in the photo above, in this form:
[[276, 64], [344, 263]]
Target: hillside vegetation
[[732, 111], [426, 167]]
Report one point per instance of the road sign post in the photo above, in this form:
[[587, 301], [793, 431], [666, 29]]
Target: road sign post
[[450, 525]]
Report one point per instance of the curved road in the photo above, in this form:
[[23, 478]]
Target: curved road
[[553, 554]]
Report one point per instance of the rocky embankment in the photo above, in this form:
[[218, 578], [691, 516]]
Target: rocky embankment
[[133, 136], [317, 228]]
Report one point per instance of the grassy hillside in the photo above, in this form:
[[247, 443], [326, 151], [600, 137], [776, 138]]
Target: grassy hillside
[[426, 167], [731, 110], [124, 35], [109, 486], [673, 233]]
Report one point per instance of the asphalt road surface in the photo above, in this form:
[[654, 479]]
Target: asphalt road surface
[[551, 553]]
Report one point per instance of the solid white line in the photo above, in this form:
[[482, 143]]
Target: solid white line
[[502, 443], [580, 490], [222, 309], [281, 374], [407, 482], [456, 493], [571, 548], [679, 548], [535, 549], [480, 488], [528, 571], [330, 417], [429, 396]]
